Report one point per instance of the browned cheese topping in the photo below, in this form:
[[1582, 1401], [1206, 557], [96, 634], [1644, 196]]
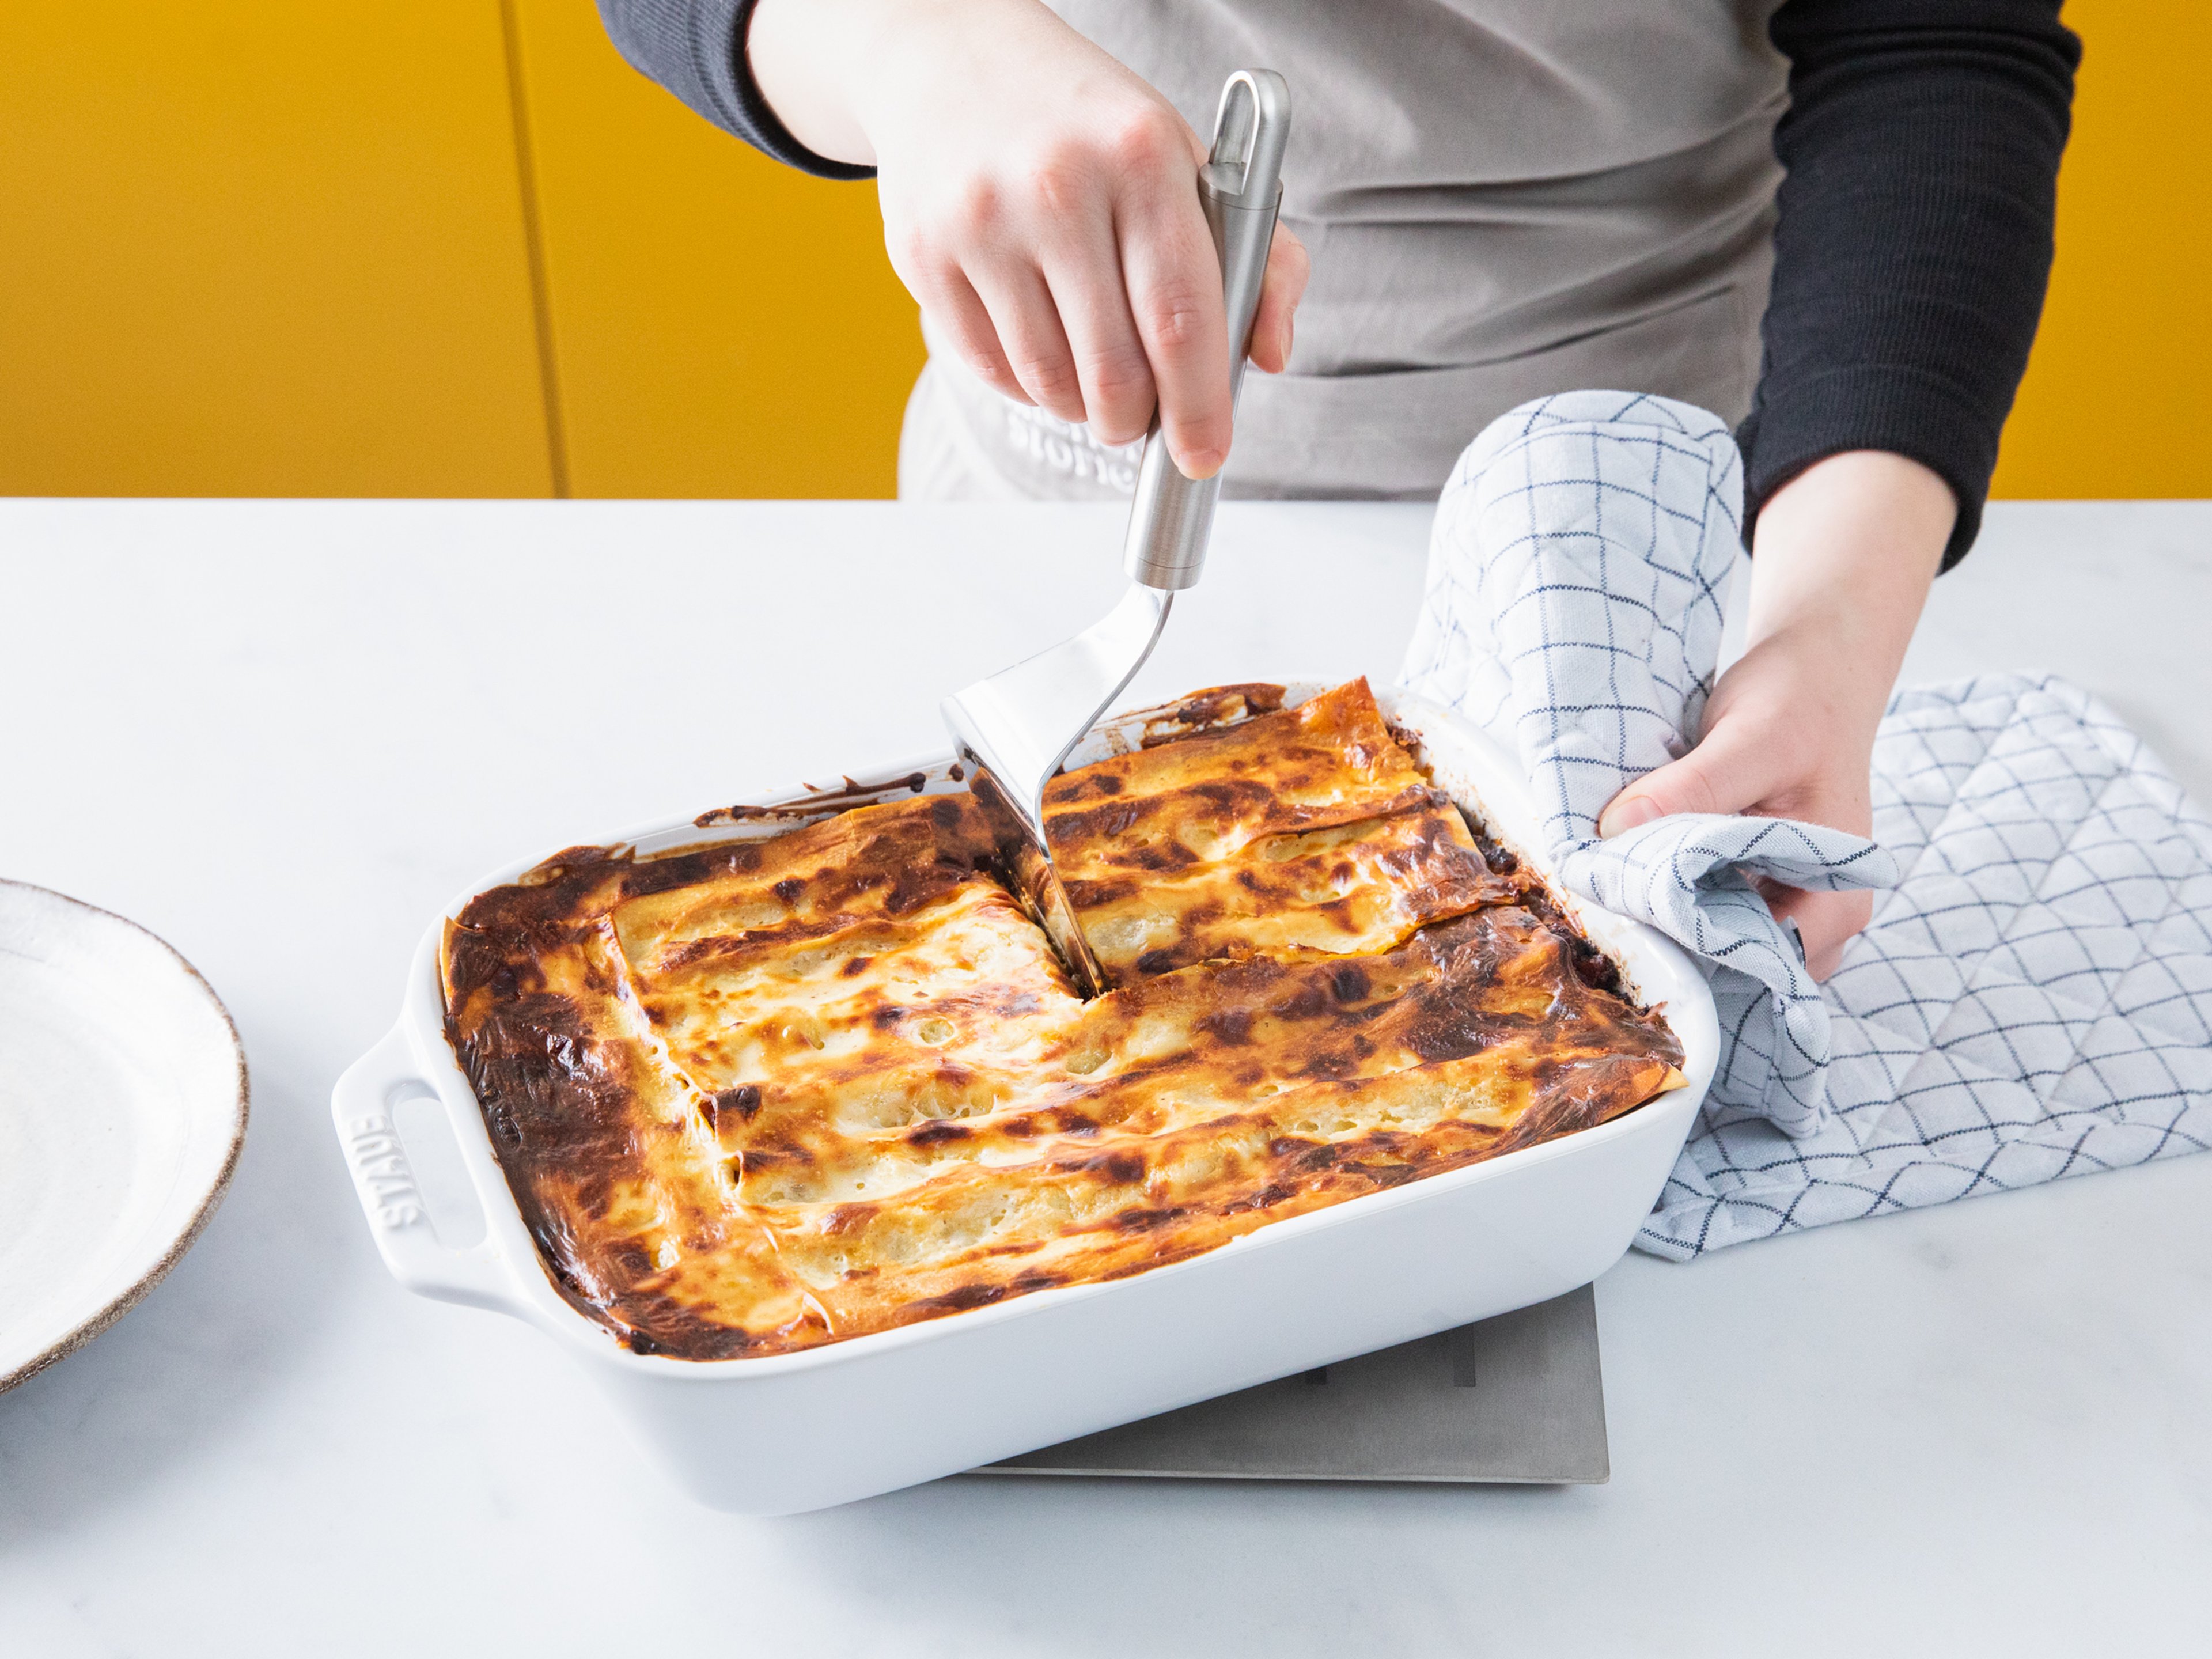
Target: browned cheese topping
[[768, 1094]]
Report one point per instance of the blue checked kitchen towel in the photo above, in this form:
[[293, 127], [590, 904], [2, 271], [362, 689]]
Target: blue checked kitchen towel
[[2034, 996]]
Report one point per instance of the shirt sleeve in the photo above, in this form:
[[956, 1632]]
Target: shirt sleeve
[[1913, 244], [696, 49]]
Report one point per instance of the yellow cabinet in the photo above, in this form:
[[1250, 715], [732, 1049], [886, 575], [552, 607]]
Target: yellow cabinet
[[2113, 404], [722, 325], [459, 247], [262, 247]]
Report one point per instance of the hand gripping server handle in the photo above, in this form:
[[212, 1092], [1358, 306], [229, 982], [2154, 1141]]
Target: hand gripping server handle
[[1240, 187]]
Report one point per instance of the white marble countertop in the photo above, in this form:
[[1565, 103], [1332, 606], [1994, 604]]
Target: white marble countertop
[[282, 735]]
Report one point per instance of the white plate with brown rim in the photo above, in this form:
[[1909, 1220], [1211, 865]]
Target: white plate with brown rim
[[123, 1107]]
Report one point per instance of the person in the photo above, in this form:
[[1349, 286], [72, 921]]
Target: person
[[1830, 220]]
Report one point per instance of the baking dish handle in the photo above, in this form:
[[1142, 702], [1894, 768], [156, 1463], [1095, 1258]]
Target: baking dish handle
[[361, 1106]]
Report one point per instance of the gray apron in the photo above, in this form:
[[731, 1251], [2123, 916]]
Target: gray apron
[[1503, 199]]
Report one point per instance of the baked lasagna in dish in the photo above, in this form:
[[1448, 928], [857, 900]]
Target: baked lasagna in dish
[[760, 1095]]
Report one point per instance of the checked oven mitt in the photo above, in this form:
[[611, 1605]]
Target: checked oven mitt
[[1581, 553]]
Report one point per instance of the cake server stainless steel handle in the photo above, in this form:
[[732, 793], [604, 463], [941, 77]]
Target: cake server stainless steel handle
[[1240, 187]]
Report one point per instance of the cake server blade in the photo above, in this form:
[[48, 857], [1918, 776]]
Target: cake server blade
[[1015, 729]]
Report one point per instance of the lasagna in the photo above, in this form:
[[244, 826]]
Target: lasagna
[[760, 1095]]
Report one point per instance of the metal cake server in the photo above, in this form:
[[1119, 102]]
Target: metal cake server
[[1014, 729]]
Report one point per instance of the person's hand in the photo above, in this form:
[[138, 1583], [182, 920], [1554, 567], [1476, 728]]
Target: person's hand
[[1844, 554], [1039, 201]]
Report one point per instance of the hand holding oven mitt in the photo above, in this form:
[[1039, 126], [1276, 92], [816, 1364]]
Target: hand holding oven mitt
[[1581, 551]]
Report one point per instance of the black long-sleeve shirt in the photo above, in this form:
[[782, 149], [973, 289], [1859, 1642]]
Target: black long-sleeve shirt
[[1911, 251]]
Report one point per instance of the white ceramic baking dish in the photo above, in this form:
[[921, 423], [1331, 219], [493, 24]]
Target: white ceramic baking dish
[[802, 1431]]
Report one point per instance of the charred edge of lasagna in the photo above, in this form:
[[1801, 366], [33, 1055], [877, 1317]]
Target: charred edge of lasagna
[[1211, 710], [1596, 969]]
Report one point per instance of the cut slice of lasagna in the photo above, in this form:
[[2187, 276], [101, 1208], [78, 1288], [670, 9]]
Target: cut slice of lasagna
[[1305, 831], [766, 1094]]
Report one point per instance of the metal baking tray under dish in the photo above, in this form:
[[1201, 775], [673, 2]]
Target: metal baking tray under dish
[[802, 1431], [1518, 1399]]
